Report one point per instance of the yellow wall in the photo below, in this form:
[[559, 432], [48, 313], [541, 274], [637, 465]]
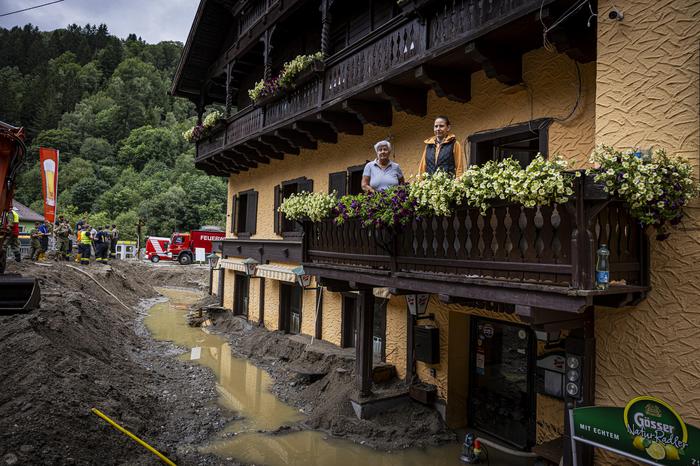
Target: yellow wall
[[254, 300], [272, 303], [229, 278], [396, 334], [332, 316], [647, 94]]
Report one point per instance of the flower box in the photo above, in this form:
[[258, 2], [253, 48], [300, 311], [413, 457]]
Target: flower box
[[594, 191], [308, 74], [270, 98]]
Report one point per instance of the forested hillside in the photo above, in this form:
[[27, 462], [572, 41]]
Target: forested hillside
[[103, 103]]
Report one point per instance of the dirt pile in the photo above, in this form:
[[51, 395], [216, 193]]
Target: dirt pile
[[82, 349], [318, 379]]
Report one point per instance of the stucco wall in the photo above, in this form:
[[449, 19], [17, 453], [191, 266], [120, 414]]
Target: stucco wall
[[647, 94], [254, 300], [332, 317], [272, 303], [229, 278], [396, 334]]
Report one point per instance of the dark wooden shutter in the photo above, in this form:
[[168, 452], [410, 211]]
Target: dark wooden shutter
[[234, 209], [276, 213], [252, 212], [305, 186], [338, 182]]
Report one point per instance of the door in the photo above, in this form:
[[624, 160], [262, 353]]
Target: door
[[379, 330], [348, 337], [501, 396], [241, 296], [290, 303]]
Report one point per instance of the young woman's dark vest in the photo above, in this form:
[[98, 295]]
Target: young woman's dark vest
[[445, 160]]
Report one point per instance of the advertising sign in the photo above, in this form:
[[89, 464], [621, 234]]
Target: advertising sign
[[647, 429], [48, 164]]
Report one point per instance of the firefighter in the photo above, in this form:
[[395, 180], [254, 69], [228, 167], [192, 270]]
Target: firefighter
[[35, 235], [84, 243], [62, 233], [13, 245], [108, 243], [98, 241], [113, 244]]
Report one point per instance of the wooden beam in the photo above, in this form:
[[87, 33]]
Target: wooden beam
[[316, 131], [265, 149], [235, 159], [341, 122], [500, 64], [280, 144], [296, 138], [369, 112], [404, 99], [251, 153], [454, 84], [363, 347]]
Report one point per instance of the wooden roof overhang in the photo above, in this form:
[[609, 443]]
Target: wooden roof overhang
[[412, 54]]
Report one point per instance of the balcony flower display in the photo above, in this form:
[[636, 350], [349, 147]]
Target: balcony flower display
[[656, 186], [287, 77], [198, 132]]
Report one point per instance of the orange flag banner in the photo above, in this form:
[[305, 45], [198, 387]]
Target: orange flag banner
[[48, 159]]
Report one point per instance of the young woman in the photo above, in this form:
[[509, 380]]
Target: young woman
[[442, 151]]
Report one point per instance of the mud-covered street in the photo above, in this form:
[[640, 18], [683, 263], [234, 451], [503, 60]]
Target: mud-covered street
[[83, 349]]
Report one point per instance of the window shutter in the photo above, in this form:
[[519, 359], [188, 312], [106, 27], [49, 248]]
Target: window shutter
[[234, 209], [305, 186], [338, 182], [252, 212], [276, 213]]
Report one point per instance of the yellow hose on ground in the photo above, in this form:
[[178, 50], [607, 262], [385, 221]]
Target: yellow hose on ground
[[133, 437]]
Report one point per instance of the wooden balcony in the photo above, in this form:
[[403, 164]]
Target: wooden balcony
[[394, 66], [528, 258]]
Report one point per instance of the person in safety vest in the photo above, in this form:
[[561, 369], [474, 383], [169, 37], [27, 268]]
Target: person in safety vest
[[13, 244], [84, 243], [442, 151], [62, 232]]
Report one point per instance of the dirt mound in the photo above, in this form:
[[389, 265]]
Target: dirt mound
[[83, 349], [319, 379]]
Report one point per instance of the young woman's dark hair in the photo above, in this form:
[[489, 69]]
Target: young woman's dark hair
[[443, 117]]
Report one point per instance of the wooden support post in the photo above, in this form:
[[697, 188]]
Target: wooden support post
[[409, 346], [363, 347]]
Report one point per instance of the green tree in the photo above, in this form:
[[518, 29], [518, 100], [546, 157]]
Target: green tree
[[164, 213], [12, 90], [148, 144], [97, 150], [66, 141]]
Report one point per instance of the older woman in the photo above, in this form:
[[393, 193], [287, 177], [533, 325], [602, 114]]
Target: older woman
[[381, 173]]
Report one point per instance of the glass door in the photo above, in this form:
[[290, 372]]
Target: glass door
[[501, 396], [241, 295]]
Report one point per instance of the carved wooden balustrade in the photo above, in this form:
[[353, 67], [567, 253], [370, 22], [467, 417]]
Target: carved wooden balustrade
[[553, 246]]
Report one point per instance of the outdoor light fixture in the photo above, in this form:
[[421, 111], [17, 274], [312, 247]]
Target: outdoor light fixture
[[303, 279], [573, 376], [417, 303], [250, 265], [213, 260]]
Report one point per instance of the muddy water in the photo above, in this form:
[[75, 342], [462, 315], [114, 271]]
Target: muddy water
[[245, 389]]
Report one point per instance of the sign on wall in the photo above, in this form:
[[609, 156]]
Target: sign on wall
[[647, 429]]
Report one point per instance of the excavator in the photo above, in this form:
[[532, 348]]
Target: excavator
[[17, 294]]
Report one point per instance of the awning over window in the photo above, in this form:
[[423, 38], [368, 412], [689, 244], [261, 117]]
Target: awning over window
[[233, 264], [276, 272]]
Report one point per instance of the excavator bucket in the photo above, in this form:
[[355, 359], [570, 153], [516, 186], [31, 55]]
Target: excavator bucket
[[18, 294]]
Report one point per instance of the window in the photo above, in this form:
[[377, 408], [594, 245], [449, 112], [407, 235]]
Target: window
[[282, 191], [522, 142], [346, 182], [244, 214]]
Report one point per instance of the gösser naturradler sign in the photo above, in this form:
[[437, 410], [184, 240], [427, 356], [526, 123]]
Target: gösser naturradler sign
[[647, 429]]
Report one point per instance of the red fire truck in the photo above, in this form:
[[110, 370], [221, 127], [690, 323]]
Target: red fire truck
[[183, 246]]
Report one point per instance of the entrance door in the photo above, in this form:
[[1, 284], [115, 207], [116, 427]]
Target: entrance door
[[348, 336], [379, 330], [241, 297], [501, 396], [290, 312]]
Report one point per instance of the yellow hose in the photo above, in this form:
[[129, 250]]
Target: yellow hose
[[133, 437]]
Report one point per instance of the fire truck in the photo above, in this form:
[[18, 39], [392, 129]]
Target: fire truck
[[182, 246]]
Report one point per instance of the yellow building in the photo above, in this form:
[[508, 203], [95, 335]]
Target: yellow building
[[511, 294]]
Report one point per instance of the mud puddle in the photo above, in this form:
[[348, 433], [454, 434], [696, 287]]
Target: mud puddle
[[246, 389]]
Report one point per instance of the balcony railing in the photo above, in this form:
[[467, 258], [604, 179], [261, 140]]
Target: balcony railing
[[403, 44], [550, 248], [261, 250]]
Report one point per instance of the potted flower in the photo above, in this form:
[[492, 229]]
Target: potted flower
[[200, 131]]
